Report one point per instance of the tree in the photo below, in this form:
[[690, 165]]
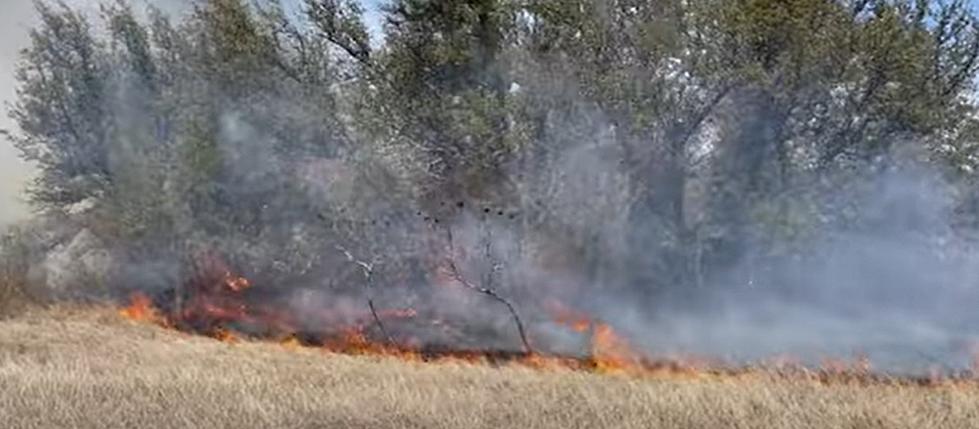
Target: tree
[[442, 84], [656, 143], [60, 110]]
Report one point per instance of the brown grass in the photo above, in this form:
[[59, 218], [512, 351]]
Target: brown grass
[[90, 369], [16, 291]]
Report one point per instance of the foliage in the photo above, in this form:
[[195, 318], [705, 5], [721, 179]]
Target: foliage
[[648, 142]]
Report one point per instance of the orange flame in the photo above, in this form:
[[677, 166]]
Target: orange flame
[[224, 335], [609, 351], [578, 322], [140, 309], [291, 343], [215, 302]]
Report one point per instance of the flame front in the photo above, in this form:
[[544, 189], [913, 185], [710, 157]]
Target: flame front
[[214, 305], [608, 351]]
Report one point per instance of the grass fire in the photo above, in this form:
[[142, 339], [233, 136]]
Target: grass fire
[[216, 305], [490, 213]]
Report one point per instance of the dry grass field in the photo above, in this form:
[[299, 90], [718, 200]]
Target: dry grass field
[[91, 369]]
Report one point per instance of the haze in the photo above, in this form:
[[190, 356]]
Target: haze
[[15, 20]]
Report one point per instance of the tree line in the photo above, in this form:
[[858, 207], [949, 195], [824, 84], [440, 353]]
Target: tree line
[[655, 148]]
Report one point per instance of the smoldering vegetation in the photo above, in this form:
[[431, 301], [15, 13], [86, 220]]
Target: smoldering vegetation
[[729, 179]]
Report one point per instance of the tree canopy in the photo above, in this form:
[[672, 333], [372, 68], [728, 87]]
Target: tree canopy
[[618, 142]]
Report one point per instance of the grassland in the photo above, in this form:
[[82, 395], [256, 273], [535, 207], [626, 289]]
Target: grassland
[[91, 369]]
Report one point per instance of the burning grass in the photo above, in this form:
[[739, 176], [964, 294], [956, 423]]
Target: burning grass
[[150, 365], [89, 369], [215, 305]]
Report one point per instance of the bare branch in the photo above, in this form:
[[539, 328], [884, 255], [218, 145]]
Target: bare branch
[[368, 270], [340, 24], [458, 276]]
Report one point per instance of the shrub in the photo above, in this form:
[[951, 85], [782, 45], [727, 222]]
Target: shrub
[[18, 252]]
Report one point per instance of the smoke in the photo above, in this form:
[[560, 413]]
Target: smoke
[[897, 285], [16, 21], [892, 279], [886, 274]]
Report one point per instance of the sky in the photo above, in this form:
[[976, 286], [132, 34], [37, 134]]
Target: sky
[[16, 19]]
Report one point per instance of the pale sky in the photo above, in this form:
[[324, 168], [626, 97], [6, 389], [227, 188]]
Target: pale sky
[[15, 19]]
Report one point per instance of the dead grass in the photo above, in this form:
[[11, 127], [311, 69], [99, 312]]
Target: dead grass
[[90, 369], [16, 291]]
